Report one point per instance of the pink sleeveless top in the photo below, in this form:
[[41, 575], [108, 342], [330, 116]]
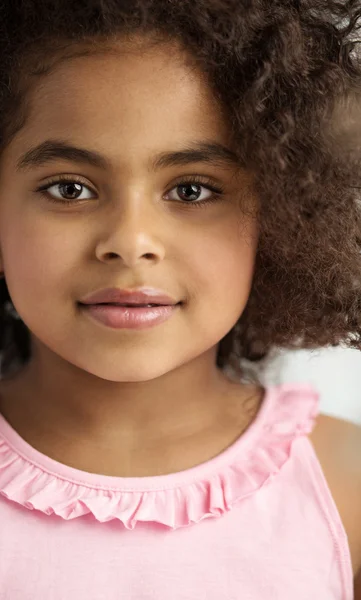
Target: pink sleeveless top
[[257, 522]]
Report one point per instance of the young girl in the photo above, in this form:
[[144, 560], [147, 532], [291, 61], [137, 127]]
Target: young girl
[[178, 196]]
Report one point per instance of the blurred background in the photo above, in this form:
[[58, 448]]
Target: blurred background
[[335, 373]]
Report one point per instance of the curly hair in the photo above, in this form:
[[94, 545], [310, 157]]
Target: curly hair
[[288, 75]]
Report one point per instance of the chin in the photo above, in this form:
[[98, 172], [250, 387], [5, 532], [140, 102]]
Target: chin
[[130, 373]]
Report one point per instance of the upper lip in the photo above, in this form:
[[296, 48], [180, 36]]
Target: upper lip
[[129, 296]]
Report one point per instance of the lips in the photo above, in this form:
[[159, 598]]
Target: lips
[[129, 304], [136, 297], [124, 304]]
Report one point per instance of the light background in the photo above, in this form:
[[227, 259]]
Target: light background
[[335, 372]]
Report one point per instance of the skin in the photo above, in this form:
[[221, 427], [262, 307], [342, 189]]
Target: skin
[[125, 402], [92, 395]]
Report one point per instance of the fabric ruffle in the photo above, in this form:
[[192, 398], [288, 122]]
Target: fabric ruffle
[[176, 500]]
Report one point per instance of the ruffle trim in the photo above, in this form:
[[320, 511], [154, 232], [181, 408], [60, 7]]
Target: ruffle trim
[[290, 413]]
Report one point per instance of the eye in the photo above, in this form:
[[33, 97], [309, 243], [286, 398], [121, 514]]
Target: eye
[[66, 191], [195, 191], [192, 192]]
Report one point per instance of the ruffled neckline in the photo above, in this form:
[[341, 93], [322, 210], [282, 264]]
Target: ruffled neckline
[[175, 500]]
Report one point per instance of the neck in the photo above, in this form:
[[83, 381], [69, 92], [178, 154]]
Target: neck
[[82, 420]]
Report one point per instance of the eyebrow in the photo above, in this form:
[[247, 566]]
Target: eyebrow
[[52, 150]]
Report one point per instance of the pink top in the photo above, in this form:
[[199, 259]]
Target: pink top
[[256, 522]]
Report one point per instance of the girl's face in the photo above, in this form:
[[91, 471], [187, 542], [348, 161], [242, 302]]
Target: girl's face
[[133, 224]]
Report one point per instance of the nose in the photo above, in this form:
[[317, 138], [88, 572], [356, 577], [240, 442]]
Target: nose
[[133, 235]]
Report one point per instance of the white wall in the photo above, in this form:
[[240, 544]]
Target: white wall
[[335, 372]]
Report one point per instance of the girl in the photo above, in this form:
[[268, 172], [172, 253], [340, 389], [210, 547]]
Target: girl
[[178, 196]]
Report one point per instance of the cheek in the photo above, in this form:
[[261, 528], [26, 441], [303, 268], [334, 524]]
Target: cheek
[[36, 263], [223, 265]]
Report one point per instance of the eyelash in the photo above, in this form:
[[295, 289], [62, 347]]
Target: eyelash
[[217, 191]]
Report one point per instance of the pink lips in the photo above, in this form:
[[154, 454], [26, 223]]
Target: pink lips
[[135, 312], [137, 296]]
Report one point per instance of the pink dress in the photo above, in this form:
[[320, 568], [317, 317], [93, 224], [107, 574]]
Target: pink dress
[[257, 522]]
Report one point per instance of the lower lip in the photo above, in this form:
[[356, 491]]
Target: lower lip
[[127, 317]]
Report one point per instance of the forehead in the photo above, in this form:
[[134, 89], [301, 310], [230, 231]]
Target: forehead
[[144, 100]]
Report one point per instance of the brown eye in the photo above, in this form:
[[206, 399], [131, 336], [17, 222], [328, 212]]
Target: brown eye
[[190, 191], [67, 191], [71, 190], [193, 193]]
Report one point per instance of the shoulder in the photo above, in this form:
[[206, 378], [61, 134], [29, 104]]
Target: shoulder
[[337, 444]]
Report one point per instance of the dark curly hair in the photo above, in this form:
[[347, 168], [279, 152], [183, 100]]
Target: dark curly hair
[[288, 74]]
